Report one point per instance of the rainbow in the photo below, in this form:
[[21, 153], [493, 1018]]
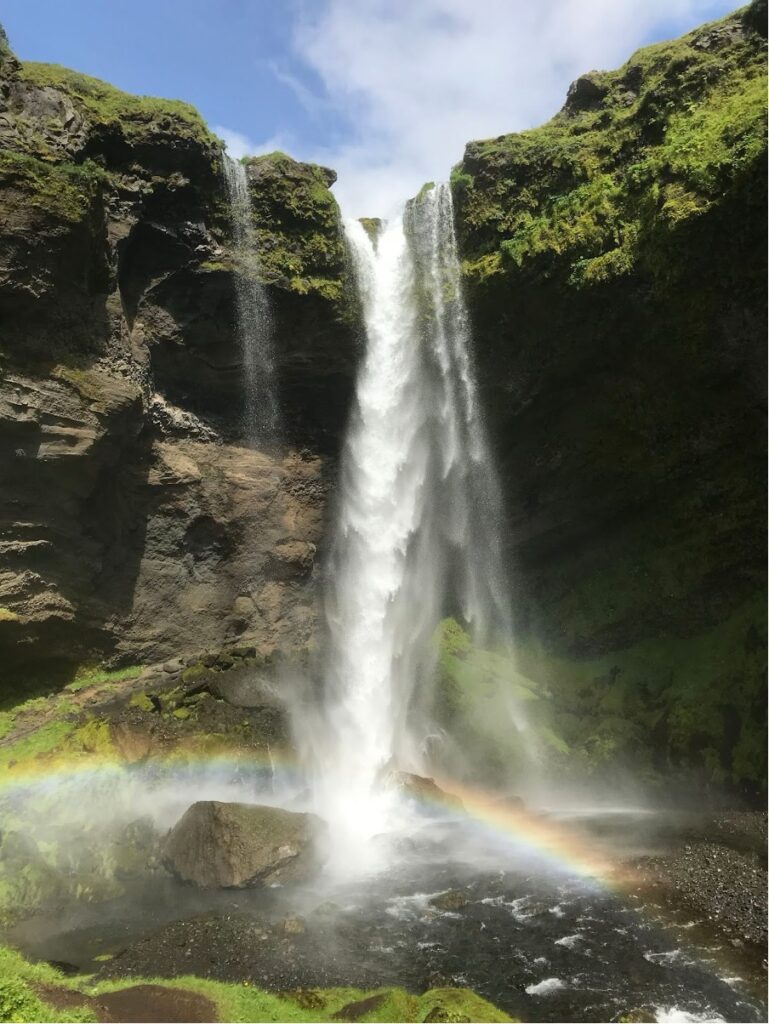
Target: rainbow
[[559, 846]]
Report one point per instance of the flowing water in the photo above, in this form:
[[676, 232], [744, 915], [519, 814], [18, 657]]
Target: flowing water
[[417, 535], [261, 420], [505, 903], [541, 940]]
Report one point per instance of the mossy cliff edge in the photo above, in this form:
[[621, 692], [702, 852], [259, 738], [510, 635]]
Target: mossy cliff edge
[[136, 523], [615, 264]]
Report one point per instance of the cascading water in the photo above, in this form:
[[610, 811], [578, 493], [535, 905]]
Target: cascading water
[[418, 524], [254, 327]]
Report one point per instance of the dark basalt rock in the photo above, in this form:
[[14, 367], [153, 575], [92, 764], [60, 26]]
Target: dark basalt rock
[[586, 93], [617, 290], [136, 523]]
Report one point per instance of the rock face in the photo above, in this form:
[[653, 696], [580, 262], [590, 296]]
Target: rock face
[[616, 274], [133, 522], [219, 845], [615, 262], [423, 790]]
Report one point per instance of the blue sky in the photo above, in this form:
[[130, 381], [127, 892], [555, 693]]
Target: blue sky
[[385, 91]]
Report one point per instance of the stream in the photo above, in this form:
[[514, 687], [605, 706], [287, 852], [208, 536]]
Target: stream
[[541, 942]]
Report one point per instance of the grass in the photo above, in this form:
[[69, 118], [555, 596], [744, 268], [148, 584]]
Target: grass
[[65, 191], [98, 676], [587, 196], [46, 723], [296, 227], [104, 104], [21, 981]]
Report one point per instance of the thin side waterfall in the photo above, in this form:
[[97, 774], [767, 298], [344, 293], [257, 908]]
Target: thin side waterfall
[[418, 523], [471, 505], [254, 326]]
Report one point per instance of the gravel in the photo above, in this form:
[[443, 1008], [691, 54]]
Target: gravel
[[721, 873]]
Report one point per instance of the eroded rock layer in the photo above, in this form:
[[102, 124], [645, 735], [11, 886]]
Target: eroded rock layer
[[133, 521]]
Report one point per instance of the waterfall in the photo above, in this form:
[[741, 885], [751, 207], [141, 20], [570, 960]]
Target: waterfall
[[254, 327], [418, 523]]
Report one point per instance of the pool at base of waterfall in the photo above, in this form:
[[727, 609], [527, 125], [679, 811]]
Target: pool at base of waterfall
[[455, 907]]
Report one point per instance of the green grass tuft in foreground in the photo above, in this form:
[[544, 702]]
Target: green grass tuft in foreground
[[23, 985]]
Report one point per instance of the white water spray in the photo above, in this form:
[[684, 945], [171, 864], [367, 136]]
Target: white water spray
[[254, 325], [418, 523]]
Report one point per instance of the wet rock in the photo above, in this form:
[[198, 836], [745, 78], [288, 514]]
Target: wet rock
[[293, 925], [454, 899], [510, 802], [424, 790], [586, 93], [224, 845], [243, 689], [133, 742]]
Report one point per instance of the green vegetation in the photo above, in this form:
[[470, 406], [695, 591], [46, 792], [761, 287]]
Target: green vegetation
[[428, 186], [371, 225], [133, 116], [45, 723], [24, 985], [40, 740], [635, 153], [296, 224], [479, 693], [666, 707], [95, 676], [64, 191]]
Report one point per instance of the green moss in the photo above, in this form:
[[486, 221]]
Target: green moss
[[242, 1002], [97, 676], [669, 705], [371, 225], [66, 192], [476, 690], [592, 193], [134, 116], [39, 742], [92, 737], [685, 707], [296, 227], [427, 187], [142, 702]]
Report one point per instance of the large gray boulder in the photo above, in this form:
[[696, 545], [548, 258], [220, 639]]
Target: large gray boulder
[[223, 845]]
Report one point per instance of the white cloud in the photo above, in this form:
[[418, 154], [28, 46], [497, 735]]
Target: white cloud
[[238, 145], [417, 80]]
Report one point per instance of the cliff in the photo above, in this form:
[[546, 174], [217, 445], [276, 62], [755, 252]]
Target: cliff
[[134, 522], [615, 260], [615, 268]]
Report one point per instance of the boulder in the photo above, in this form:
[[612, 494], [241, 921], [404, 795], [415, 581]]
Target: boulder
[[243, 689], [232, 845], [423, 789], [452, 900]]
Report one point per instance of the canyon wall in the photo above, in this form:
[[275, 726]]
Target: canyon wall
[[615, 260], [134, 523]]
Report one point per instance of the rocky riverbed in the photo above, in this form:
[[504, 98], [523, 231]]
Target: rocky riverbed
[[720, 872]]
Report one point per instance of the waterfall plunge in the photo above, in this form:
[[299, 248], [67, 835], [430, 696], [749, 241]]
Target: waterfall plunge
[[418, 523], [254, 327]]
